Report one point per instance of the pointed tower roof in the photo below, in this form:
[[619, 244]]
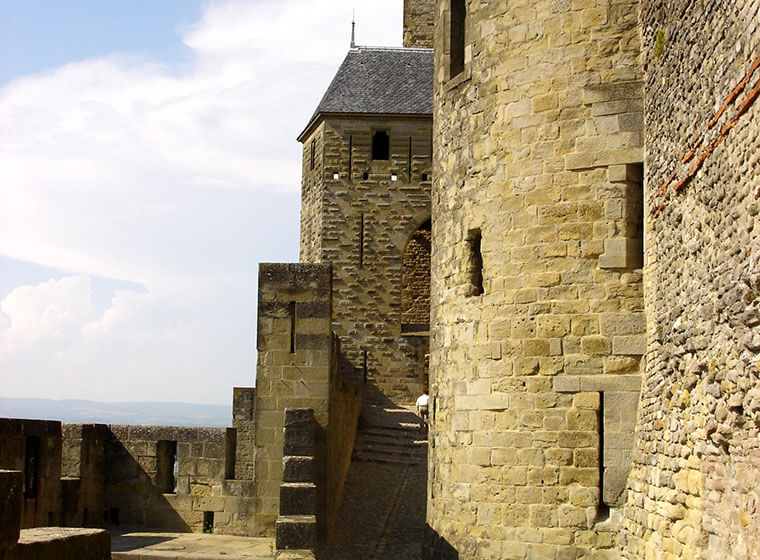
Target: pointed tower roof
[[380, 80]]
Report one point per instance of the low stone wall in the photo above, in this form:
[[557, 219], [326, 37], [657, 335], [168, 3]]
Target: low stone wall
[[346, 393], [60, 543], [34, 448], [10, 513], [45, 543], [82, 475], [193, 495]]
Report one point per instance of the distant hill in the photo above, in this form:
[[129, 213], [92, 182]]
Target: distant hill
[[146, 413]]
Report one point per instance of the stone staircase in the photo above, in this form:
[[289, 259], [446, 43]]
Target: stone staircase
[[390, 436]]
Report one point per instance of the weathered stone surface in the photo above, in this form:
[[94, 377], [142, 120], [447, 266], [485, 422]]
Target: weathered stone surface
[[46, 543], [298, 498], [695, 470], [537, 276], [297, 469], [10, 514], [296, 532], [361, 215]]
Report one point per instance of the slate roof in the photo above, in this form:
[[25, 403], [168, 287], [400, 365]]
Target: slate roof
[[381, 80]]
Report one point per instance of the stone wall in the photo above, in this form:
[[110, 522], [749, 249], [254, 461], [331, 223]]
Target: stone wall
[[346, 391], [537, 323], [34, 448], [11, 488], [358, 214], [293, 371], [419, 17], [243, 400], [693, 490], [140, 490], [82, 475]]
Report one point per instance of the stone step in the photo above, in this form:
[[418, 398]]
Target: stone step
[[294, 532], [376, 447], [394, 432], [388, 459], [298, 498], [391, 439]]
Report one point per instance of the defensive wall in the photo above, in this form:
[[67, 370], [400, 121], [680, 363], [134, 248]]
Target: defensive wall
[[164, 477], [693, 490], [176, 478]]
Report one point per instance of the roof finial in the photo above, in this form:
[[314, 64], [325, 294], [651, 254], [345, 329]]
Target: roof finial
[[353, 29]]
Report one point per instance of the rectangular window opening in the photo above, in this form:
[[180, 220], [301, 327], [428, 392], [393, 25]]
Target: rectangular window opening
[[32, 467], [229, 453], [313, 153], [380, 145], [208, 521], [475, 262], [456, 37], [166, 467], [292, 313]]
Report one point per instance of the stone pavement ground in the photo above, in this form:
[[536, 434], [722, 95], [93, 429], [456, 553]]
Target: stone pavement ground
[[382, 513], [139, 544]]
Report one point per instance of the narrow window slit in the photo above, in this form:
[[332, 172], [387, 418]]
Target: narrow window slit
[[350, 157], [409, 162], [31, 467], [229, 453], [361, 241], [167, 467], [313, 154], [603, 511], [456, 37], [292, 312]]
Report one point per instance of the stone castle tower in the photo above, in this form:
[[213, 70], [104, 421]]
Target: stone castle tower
[[573, 272], [538, 325], [367, 170]]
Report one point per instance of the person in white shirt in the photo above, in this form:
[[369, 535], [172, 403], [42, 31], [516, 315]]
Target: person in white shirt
[[422, 408]]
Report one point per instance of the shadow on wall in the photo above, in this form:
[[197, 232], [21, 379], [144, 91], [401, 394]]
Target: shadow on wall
[[131, 495], [435, 547]]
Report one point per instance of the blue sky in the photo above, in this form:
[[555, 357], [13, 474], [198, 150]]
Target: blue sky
[[149, 163], [39, 35]]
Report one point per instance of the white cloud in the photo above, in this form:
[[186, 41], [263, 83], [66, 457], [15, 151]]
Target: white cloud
[[179, 178]]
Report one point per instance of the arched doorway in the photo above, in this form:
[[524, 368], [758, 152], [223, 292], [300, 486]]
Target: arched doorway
[[415, 299]]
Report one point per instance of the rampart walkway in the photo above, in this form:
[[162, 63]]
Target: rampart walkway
[[382, 514]]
